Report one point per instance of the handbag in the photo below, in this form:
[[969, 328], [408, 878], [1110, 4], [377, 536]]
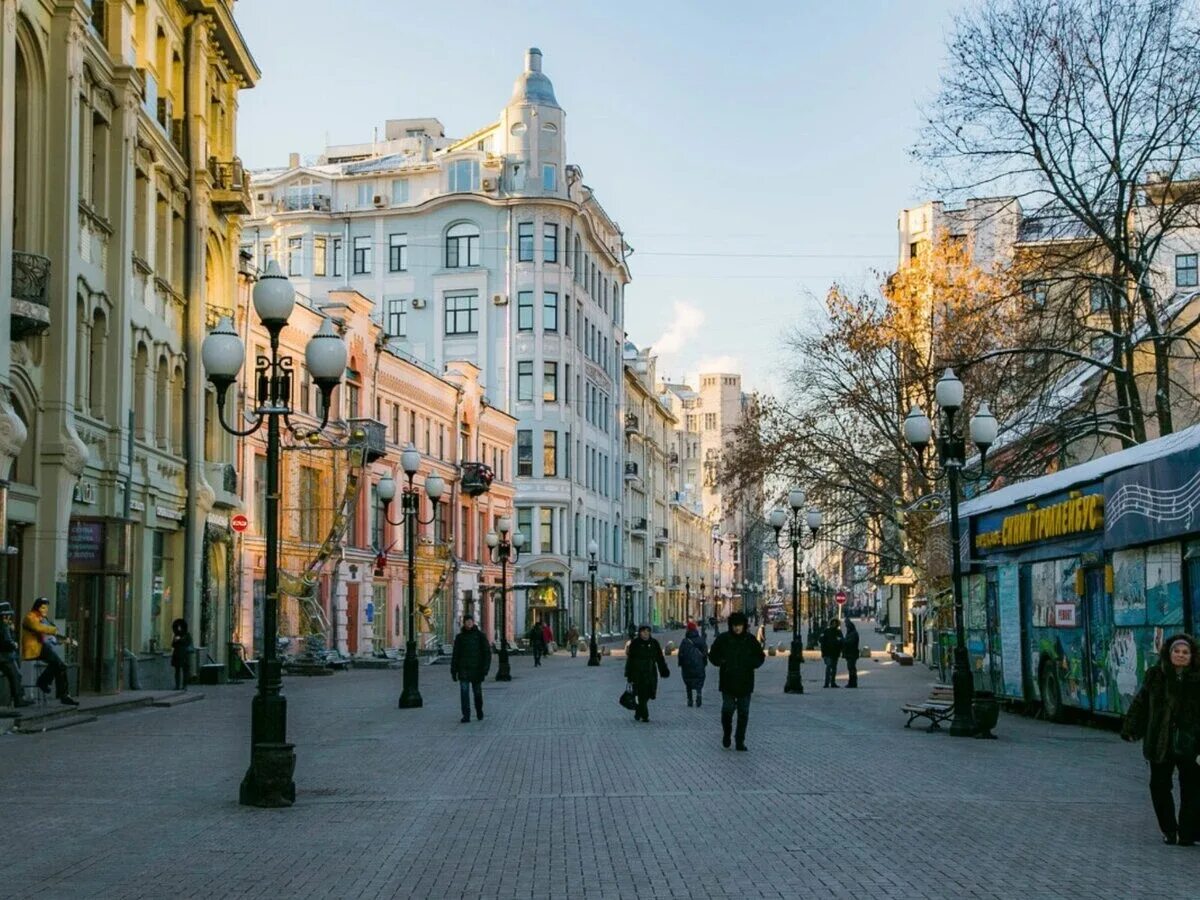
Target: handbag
[[1183, 744], [628, 698]]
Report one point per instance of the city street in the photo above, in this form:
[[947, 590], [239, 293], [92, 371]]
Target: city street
[[558, 793]]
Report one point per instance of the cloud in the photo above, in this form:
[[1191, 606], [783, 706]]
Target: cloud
[[686, 322]]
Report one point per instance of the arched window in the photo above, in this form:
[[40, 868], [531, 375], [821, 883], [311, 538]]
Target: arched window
[[462, 246], [96, 359], [177, 402], [29, 151], [162, 402], [83, 349], [141, 372]]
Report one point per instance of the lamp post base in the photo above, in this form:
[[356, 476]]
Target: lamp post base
[[593, 653], [963, 723], [794, 685], [410, 695], [503, 671], [268, 782]]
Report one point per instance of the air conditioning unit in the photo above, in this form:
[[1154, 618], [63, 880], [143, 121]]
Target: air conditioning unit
[[418, 303], [379, 200], [489, 184], [499, 299]]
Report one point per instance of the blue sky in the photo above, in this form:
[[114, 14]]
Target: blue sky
[[752, 152]]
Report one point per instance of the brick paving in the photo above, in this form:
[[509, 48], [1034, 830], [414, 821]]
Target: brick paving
[[558, 793]]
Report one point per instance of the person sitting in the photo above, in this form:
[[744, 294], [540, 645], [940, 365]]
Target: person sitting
[[38, 641]]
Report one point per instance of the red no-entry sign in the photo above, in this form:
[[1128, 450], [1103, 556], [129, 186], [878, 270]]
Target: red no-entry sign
[[239, 523], [841, 598]]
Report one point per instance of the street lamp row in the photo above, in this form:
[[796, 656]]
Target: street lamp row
[[798, 539], [504, 550]]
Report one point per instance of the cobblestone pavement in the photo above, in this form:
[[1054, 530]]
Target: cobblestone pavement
[[558, 793]]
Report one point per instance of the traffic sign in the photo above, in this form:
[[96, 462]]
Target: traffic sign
[[238, 522], [841, 598]]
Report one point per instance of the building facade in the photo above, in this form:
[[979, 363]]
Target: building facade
[[120, 197], [489, 249]]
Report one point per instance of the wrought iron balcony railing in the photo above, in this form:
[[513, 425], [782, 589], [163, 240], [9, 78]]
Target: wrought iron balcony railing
[[231, 187], [477, 478], [30, 285]]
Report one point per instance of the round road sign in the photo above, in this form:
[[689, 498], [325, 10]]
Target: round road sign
[[239, 523], [841, 598]]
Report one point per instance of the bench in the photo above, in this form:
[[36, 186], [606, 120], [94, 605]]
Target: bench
[[938, 708]]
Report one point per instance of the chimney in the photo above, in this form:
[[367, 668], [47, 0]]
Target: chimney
[[533, 60], [293, 160]]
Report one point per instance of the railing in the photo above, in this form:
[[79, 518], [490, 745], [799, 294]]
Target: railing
[[637, 524], [477, 478], [370, 434], [30, 282], [631, 470], [673, 460], [660, 535], [631, 423], [231, 188]]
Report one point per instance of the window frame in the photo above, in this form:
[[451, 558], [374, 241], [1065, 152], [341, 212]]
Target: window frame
[[524, 453], [549, 453], [525, 242], [471, 312], [524, 310], [549, 381], [398, 252], [472, 243], [550, 322], [397, 317], [362, 255], [295, 256], [1194, 269], [550, 242], [525, 380]]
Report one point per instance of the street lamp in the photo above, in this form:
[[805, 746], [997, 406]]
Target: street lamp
[[593, 650], [951, 451], [503, 550], [410, 502], [268, 781], [797, 539], [703, 620]]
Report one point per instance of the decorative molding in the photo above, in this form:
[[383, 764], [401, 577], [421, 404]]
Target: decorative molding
[[75, 451], [13, 433]]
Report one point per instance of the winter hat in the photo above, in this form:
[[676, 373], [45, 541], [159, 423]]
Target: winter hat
[[738, 618]]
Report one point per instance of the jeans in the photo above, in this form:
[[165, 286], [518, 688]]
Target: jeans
[[852, 668], [13, 676], [55, 671], [465, 688], [574, 648], [1161, 783], [731, 703], [831, 671], [697, 692]]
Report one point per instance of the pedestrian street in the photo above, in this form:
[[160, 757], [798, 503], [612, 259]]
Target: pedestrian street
[[558, 793]]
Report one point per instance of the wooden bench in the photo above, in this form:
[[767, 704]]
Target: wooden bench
[[938, 708]]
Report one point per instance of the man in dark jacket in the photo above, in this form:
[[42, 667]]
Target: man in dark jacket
[[469, 664], [693, 658], [644, 663], [850, 653], [831, 649], [8, 656], [537, 643], [736, 653]]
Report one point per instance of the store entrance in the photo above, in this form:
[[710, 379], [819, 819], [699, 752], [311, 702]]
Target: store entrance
[[97, 603]]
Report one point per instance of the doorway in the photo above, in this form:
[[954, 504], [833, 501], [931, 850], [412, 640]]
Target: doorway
[[96, 605]]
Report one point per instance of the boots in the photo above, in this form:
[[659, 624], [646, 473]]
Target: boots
[[698, 698], [726, 728], [740, 735]]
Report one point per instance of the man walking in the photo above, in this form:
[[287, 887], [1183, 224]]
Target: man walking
[[537, 643], [469, 664], [831, 649], [573, 640], [736, 653], [850, 652]]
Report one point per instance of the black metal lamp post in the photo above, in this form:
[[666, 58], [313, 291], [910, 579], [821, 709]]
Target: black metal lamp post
[[410, 501], [951, 450], [703, 619], [268, 781], [504, 550], [593, 649], [687, 595], [797, 539]]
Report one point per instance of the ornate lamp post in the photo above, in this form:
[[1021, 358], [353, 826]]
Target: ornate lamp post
[[504, 550], [951, 451], [268, 781], [410, 501], [593, 649], [797, 539]]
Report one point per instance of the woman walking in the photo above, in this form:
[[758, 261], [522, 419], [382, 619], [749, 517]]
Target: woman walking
[[1165, 715], [644, 663], [693, 659]]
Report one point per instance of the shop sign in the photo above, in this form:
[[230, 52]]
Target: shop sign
[[1078, 514], [85, 543], [1064, 615]]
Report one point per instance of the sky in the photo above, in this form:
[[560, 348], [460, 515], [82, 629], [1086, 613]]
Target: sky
[[753, 153]]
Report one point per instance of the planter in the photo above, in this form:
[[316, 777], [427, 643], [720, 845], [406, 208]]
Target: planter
[[986, 711]]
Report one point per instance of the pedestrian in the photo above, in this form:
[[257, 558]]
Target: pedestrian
[[8, 656], [1165, 715], [736, 653], [644, 663], [850, 653], [693, 659], [537, 643], [573, 640], [712, 623], [547, 636], [181, 652], [38, 641], [831, 649], [469, 664]]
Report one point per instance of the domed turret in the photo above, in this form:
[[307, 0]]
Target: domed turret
[[531, 85]]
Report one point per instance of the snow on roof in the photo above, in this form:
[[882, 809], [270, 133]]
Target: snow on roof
[[1084, 473]]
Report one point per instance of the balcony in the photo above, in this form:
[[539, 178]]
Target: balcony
[[635, 573], [30, 284], [370, 435], [637, 526], [476, 478], [222, 478], [660, 535], [673, 460], [631, 471], [231, 187], [632, 426]]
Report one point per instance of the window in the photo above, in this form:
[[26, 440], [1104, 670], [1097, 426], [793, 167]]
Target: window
[[525, 453], [550, 454], [462, 310], [462, 246], [549, 311], [547, 530], [399, 191], [1035, 292], [567, 384], [525, 311], [550, 382], [550, 243], [338, 257], [318, 257], [260, 493], [1098, 297], [525, 380], [464, 175], [549, 177], [395, 423], [525, 242], [398, 253], [710, 421], [294, 256], [1186, 272], [525, 524], [567, 456], [567, 246], [362, 255], [397, 317], [378, 540], [310, 492], [366, 193]]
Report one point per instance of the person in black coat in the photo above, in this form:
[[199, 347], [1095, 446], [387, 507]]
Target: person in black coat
[[644, 663], [693, 659], [8, 656], [736, 653], [181, 652], [537, 642], [831, 649], [469, 665], [1165, 715], [850, 653]]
